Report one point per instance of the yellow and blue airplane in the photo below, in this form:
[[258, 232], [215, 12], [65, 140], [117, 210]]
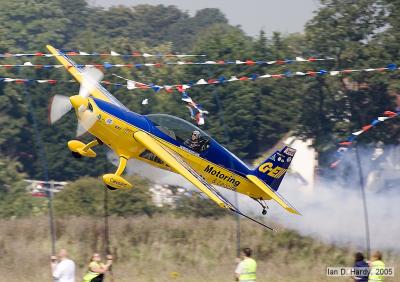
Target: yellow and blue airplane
[[164, 141]]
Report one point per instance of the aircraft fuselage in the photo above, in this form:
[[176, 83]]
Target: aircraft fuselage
[[115, 127]]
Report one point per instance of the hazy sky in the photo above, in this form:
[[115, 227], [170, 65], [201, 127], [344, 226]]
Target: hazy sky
[[285, 16]]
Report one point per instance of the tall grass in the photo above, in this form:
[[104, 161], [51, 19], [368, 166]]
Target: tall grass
[[166, 248]]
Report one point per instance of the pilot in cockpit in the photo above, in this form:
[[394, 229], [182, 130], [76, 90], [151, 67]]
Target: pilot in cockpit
[[196, 143]]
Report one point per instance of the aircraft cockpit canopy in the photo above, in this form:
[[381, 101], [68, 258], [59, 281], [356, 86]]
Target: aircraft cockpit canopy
[[182, 131]]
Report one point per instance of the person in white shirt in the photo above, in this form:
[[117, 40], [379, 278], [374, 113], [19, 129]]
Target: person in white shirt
[[63, 270]]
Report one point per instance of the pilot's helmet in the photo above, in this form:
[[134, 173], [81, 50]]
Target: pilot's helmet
[[196, 134]]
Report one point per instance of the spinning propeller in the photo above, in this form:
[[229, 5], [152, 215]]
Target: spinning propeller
[[61, 105]]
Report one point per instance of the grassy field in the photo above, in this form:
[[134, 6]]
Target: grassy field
[[153, 249]]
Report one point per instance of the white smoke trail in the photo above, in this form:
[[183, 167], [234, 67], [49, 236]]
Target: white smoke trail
[[334, 214], [331, 212]]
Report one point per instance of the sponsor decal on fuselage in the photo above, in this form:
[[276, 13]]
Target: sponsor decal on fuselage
[[221, 179]]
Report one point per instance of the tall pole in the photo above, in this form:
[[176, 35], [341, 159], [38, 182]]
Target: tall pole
[[237, 227], [51, 218], [43, 161], [227, 140], [107, 231], [364, 200]]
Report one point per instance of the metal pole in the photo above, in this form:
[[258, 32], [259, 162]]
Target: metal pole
[[43, 160], [51, 219], [364, 200], [227, 140], [237, 227], [107, 231]]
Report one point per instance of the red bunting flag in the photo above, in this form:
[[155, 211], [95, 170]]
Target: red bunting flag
[[366, 128], [389, 114]]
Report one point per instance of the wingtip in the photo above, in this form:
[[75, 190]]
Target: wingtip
[[292, 210]]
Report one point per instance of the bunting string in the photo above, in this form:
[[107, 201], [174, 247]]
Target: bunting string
[[107, 65], [99, 54], [131, 84], [196, 110], [30, 81], [348, 143]]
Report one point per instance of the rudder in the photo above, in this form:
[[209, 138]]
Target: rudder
[[272, 170]]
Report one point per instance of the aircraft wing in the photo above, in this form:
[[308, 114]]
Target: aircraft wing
[[98, 91], [180, 166]]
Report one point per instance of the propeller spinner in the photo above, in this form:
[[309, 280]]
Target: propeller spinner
[[61, 105]]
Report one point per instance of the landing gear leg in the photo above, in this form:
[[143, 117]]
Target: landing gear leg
[[121, 166], [92, 144], [263, 205], [116, 181]]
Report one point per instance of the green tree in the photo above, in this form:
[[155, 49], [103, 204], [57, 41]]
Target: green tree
[[198, 206], [86, 197], [14, 199], [30, 25], [183, 33], [247, 117], [336, 106], [231, 105]]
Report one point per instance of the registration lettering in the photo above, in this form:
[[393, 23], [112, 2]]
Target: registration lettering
[[270, 170]]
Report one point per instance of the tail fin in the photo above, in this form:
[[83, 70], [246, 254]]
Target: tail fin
[[273, 169], [268, 176]]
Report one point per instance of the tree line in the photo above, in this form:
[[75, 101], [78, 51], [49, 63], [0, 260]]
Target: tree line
[[247, 117]]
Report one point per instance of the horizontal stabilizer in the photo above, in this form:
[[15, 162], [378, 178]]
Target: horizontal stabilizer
[[273, 194]]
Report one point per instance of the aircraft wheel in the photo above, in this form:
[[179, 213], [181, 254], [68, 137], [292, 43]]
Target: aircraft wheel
[[264, 212], [111, 188], [76, 155]]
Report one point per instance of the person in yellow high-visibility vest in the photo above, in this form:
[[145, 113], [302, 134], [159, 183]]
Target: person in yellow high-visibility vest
[[376, 268], [247, 267], [97, 269]]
